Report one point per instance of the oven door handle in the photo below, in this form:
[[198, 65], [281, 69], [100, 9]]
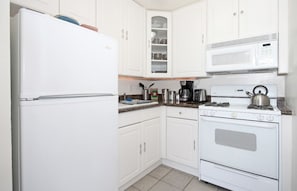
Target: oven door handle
[[265, 125], [237, 172]]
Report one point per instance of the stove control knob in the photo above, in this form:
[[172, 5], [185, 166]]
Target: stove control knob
[[260, 117], [270, 118], [234, 115]]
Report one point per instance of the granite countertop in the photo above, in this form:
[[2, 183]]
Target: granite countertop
[[146, 106], [138, 107], [184, 104], [285, 110], [281, 104]]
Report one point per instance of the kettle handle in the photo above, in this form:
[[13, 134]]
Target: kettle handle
[[260, 86]]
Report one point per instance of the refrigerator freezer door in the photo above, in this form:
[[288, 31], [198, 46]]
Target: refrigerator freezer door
[[69, 144], [60, 58]]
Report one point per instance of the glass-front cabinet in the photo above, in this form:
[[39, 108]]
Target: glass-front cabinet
[[159, 44]]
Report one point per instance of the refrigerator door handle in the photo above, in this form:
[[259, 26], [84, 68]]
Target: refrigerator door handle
[[73, 96]]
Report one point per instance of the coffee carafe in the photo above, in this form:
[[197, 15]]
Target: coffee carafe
[[186, 91]]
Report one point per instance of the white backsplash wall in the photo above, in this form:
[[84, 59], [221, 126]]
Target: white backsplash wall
[[130, 86]]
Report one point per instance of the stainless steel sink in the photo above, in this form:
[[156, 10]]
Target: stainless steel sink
[[135, 101]]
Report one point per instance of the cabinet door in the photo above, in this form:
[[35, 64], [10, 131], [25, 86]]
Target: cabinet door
[[151, 142], [257, 17], [159, 28], [130, 150], [46, 6], [84, 11], [189, 25], [134, 35], [182, 137], [222, 20], [110, 22]]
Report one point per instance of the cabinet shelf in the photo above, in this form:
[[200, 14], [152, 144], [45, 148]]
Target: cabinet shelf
[[159, 60], [160, 29], [159, 44]]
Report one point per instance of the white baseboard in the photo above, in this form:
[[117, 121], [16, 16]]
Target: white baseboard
[[181, 167]]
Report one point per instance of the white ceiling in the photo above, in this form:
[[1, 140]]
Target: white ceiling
[[164, 4]]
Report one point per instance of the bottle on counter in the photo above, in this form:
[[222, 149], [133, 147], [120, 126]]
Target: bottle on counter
[[165, 95], [177, 98], [172, 97]]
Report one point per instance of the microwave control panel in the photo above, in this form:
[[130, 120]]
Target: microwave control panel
[[267, 53]]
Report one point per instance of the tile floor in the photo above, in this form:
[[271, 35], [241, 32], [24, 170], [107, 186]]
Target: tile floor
[[164, 178]]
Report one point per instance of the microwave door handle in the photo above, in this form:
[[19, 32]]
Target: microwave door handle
[[239, 122]]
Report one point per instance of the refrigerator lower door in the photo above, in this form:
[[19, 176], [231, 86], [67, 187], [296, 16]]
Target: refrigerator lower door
[[69, 144]]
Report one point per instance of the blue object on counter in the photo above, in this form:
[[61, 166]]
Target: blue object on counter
[[68, 19], [129, 99]]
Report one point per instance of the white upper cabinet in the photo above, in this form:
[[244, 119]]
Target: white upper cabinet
[[125, 21], [46, 6], [222, 20], [257, 17], [189, 29], [84, 11], [109, 21], [233, 19], [159, 44], [133, 33]]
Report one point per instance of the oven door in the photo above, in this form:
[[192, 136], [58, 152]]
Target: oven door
[[244, 145]]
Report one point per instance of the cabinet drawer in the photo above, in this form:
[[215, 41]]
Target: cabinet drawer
[[138, 116], [185, 113], [235, 179]]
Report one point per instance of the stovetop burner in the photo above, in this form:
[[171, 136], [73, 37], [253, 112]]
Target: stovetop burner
[[269, 107], [215, 104]]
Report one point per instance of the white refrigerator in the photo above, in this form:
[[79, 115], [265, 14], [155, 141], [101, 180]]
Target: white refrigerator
[[64, 87]]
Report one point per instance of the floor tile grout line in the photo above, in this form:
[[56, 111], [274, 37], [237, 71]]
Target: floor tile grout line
[[174, 185], [188, 183], [135, 188], [171, 185], [159, 179], [153, 185]]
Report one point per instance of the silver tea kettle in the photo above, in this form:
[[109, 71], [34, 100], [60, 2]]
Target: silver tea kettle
[[259, 99]]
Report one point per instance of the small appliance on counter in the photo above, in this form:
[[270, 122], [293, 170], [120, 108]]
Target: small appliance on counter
[[186, 91], [199, 95]]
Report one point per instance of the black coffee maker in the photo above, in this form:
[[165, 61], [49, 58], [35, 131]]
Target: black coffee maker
[[186, 91]]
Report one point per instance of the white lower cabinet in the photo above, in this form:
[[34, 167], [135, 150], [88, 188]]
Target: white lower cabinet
[[182, 141], [129, 152], [151, 142], [139, 142], [182, 136]]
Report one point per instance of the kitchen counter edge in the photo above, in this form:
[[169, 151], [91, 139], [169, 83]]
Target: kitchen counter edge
[[284, 109]]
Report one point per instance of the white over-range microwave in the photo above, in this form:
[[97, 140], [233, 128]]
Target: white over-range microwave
[[257, 53]]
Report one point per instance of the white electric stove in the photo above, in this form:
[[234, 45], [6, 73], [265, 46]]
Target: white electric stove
[[239, 146]]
